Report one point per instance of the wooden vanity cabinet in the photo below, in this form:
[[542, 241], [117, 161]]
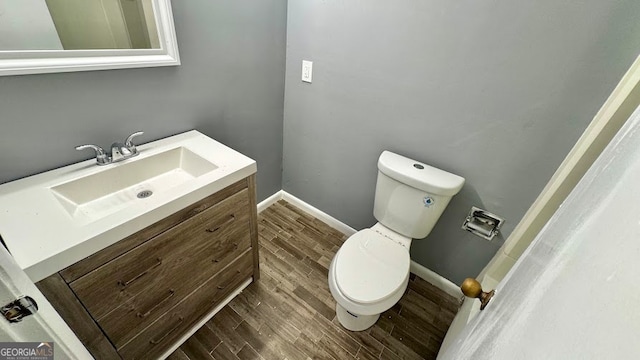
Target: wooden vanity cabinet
[[138, 297]]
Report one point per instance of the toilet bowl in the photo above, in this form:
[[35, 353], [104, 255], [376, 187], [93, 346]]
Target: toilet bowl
[[370, 271], [368, 275]]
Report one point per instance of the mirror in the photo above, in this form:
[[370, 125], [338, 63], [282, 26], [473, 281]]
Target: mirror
[[42, 36]]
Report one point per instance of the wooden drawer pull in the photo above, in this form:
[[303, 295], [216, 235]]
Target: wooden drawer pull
[[230, 219], [156, 342], [197, 210], [171, 293], [126, 283]]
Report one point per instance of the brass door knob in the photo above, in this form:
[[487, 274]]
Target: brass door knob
[[471, 288]]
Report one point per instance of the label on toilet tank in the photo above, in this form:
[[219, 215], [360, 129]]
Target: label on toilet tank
[[428, 201]]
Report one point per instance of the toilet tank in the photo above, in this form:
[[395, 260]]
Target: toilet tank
[[410, 195]]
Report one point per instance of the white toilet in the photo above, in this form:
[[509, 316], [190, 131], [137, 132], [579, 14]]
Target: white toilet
[[370, 272]]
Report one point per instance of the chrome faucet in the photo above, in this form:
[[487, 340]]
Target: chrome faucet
[[119, 151]]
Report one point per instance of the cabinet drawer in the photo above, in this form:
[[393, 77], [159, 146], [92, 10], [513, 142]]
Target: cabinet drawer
[[183, 255], [167, 329], [102, 257], [141, 310]]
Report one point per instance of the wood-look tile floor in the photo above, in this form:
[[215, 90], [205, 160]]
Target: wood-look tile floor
[[290, 313]]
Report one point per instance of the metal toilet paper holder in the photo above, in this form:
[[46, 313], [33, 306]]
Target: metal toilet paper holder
[[482, 223]]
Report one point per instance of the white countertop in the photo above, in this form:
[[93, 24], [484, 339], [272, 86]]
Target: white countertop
[[45, 238]]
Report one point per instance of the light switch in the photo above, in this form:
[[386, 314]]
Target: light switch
[[307, 70]]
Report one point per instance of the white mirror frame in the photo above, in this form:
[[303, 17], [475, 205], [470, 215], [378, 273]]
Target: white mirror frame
[[53, 61]]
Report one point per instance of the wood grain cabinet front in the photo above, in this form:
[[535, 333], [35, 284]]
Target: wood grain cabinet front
[[145, 294], [151, 342]]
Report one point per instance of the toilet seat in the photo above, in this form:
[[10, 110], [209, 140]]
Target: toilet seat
[[370, 267]]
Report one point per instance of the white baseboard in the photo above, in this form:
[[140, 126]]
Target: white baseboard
[[269, 201], [318, 214], [421, 271], [435, 279]]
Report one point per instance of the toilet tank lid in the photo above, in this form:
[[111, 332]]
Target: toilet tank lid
[[418, 175]]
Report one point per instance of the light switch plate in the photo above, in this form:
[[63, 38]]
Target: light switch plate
[[307, 70]]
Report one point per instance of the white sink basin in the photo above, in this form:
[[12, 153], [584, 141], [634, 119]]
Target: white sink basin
[[98, 195], [54, 219]]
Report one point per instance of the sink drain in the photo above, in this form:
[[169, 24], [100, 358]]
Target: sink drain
[[144, 194]]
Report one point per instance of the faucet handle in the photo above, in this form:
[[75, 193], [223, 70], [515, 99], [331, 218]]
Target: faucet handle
[[101, 157], [129, 144], [130, 138]]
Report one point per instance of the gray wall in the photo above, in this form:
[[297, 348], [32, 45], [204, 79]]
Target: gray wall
[[230, 86], [495, 91]]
